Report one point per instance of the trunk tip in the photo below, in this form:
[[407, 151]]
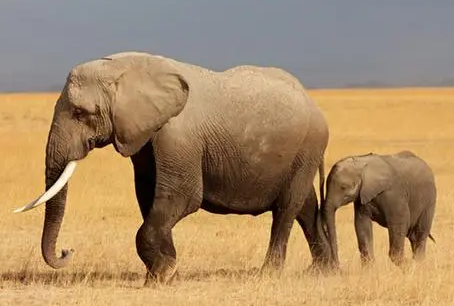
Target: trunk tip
[[66, 252], [63, 261]]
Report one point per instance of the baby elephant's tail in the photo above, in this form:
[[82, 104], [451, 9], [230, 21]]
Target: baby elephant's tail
[[431, 238]]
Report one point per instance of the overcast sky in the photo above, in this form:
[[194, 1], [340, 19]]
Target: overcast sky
[[324, 43]]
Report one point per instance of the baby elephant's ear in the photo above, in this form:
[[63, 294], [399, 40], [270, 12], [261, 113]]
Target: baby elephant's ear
[[147, 96], [376, 178]]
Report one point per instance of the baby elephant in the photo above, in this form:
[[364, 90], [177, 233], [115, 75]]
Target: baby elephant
[[396, 191]]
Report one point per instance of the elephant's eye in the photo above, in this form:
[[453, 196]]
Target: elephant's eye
[[78, 112]]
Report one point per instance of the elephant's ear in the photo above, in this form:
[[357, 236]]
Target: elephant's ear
[[145, 99], [376, 178]]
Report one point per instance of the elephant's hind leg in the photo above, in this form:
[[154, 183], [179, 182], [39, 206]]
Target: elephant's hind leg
[[286, 208], [420, 233], [397, 234], [307, 219], [144, 178], [398, 226], [418, 245]]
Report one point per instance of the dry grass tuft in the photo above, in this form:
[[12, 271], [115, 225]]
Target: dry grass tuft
[[219, 255]]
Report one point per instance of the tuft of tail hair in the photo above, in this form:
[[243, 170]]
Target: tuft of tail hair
[[432, 238]]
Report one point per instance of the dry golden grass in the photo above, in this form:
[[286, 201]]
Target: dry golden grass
[[217, 253]]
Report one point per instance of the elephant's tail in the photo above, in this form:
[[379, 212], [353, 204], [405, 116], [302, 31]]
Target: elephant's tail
[[432, 238], [321, 170]]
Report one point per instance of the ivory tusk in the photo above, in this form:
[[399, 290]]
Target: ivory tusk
[[52, 191]]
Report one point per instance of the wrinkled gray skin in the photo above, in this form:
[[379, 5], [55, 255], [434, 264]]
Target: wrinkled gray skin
[[396, 191], [243, 141]]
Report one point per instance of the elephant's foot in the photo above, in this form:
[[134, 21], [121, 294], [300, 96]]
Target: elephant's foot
[[404, 264], [397, 260], [162, 272], [322, 268], [270, 270], [314, 269], [367, 262]]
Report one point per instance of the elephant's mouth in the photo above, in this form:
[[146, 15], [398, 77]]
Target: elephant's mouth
[[91, 144], [98, 142]]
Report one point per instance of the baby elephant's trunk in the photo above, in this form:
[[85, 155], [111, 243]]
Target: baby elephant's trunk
[[328, 220]]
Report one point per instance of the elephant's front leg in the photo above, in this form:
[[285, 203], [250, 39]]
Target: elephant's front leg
[[144, 178], [145, 184], [178, 194], [154, 238], [364, 236]]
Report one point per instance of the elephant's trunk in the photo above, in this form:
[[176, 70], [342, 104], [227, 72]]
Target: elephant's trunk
[[55, 209], [56, 160], [328, 212]]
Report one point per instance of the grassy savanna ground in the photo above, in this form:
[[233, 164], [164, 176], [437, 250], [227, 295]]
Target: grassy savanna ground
[[217, 253]]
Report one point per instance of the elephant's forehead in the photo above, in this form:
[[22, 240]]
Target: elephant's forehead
[[87, 72], [345, 167], [85, 95]]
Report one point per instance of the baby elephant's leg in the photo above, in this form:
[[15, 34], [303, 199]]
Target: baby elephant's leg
[[420, 233], [364, 235], [397, 234]]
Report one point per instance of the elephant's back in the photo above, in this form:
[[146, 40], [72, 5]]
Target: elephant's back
[[245, 92], [245, 89], [249, 78], [419, 179], [263, 72], [412, 166], [263, 103]]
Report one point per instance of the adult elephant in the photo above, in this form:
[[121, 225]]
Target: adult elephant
[[243, 141]]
